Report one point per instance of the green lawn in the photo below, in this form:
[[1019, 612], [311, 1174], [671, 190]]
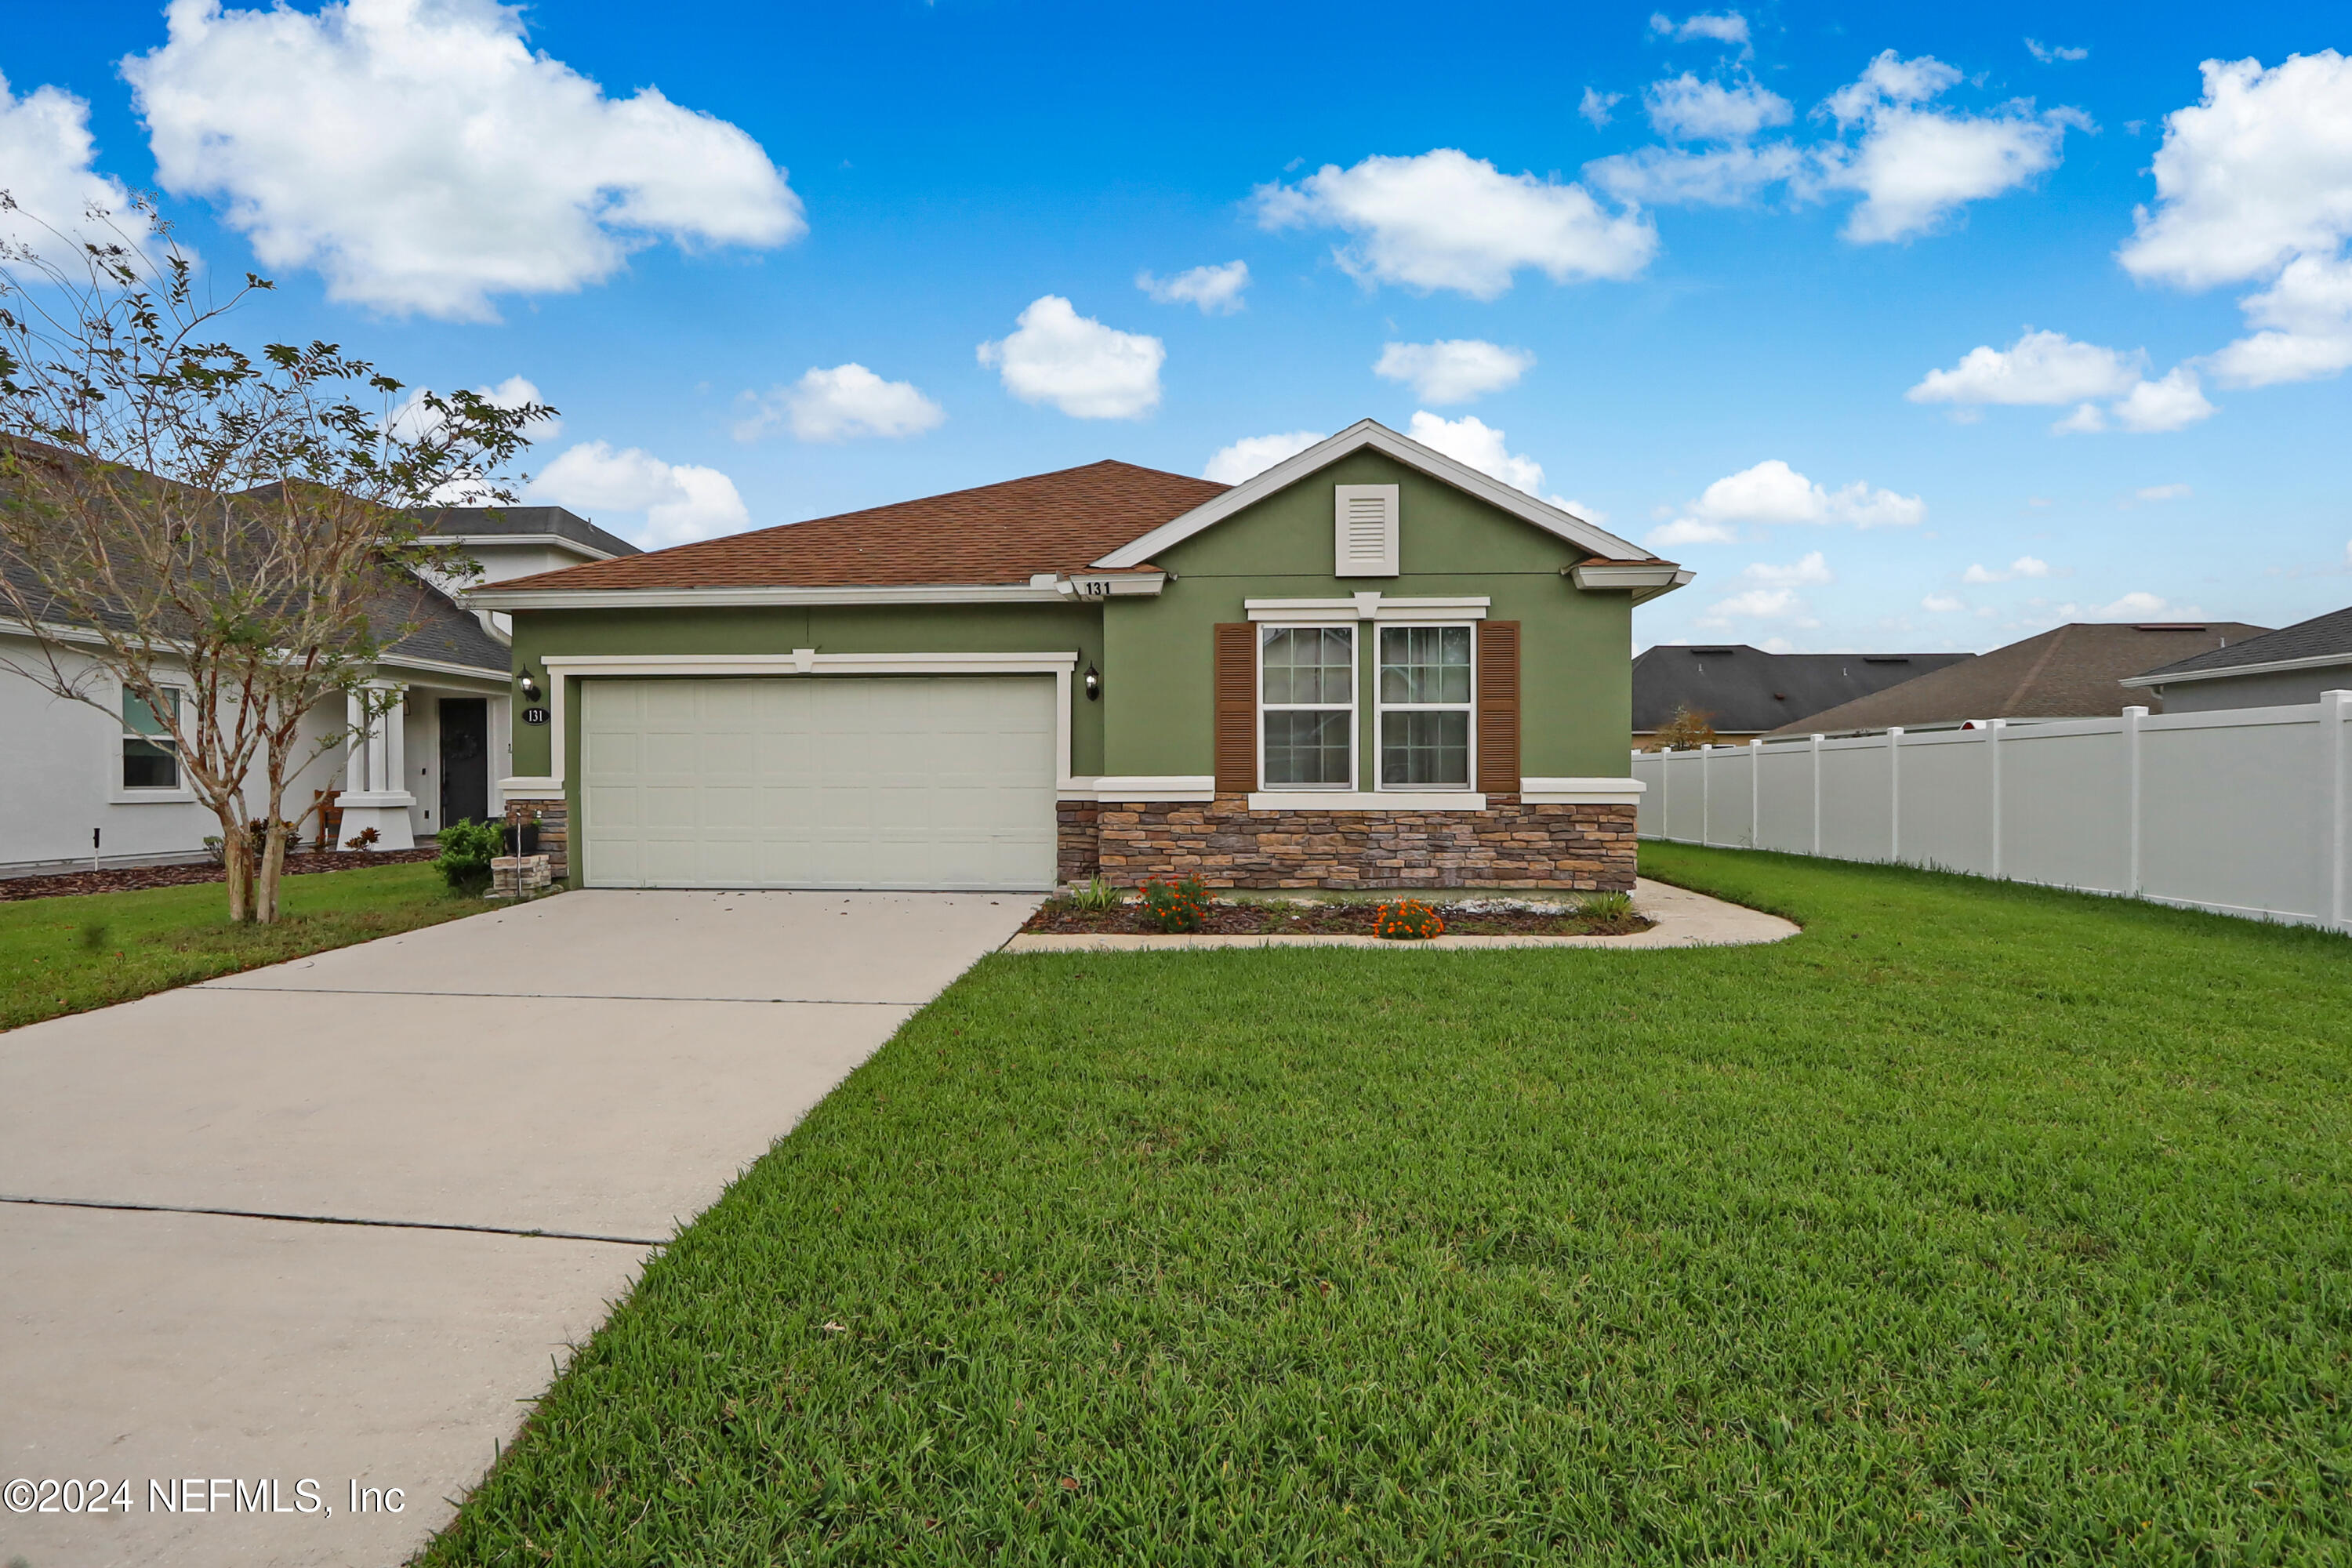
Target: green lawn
[[1977, 1223], [65, 955]]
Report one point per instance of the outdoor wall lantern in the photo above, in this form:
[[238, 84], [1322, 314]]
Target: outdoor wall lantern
[[1094, 682], [530, 692]]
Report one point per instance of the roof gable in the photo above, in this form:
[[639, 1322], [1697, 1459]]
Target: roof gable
[[1371, 433]]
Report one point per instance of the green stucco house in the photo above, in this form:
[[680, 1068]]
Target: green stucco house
[[1369, 666]]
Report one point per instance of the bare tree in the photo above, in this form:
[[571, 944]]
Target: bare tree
[[177, 515], [1686, 731]]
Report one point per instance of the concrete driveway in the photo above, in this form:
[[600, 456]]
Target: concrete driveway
[[337, 1221]]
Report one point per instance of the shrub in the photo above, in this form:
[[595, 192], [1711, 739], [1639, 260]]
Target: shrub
[[1095, 897], [1612, 907], [1176, 906], [1408, 920], [465, 850]]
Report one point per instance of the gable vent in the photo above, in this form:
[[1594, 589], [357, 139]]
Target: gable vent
[[1364, 531]]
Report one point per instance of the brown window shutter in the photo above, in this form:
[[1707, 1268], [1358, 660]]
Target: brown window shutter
[[1236, 699], [1498, 707]]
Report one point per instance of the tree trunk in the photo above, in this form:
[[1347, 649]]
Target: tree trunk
[[273, 866], [236, 858]]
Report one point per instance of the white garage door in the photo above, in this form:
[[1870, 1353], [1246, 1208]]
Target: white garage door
[[912, 782]]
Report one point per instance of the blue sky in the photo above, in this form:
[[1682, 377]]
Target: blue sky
[[1705, 265]]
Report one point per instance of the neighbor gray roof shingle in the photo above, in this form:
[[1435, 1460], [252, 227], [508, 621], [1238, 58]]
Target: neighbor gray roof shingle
[[2068, 672], [2315, 638], [1743, 691]]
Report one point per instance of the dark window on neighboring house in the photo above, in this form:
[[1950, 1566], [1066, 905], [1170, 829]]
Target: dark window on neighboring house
[[151, 759]]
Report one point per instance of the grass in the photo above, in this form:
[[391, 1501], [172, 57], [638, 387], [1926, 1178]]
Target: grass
[[67, 955], [1977, 1223]]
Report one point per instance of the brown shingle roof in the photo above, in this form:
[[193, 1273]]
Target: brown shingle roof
[[996, 534], [2066, 673]]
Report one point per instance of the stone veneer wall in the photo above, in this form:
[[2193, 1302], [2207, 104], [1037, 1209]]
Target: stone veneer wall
[[554, 828], [1511, 844]]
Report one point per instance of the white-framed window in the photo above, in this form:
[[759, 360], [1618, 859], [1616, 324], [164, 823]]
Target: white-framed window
[[1307, 706], [149, 760], [1424, 683]]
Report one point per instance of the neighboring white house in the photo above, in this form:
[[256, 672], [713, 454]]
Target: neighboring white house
[[2290, 666], [80, 784]]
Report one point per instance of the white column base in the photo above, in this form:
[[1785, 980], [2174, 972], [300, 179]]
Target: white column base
[[387, 812]]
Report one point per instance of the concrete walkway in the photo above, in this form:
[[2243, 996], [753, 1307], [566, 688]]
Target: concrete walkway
[[339, 1219], [1684, 918]]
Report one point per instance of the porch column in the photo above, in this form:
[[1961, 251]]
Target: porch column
[[375, 795]]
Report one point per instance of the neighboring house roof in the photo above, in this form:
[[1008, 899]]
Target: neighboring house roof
[[2072, 672], [2314, 643], [995, 534], [1746, 690], [526, 522]]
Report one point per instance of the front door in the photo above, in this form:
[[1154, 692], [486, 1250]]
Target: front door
[[465, 759]]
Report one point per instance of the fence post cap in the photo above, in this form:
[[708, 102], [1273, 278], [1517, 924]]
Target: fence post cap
[[2136, 712]]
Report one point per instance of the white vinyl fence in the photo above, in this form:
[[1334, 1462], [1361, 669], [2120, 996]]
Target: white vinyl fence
[[2243, 811]]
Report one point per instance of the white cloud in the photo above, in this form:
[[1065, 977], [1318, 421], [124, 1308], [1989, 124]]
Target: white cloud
[[2254, 180], [1689, 531], [411, 419], [1773, 492], [1944, 603], [2257, 172], [1473, 441], [1675, 177], [424, 158], [1912, 166], [680, 502], [1217, 290], [2162, 492], [2132, 606], [2306, 319], [1916, 167], [47, 166], [1597, 106], [1685, 109], [1759, 604], [1719, 26], [1452, 370], [2023, 567], [1446, 220], [1253, 455], [2047, 53], [1085, 369], [2039, 368], [2154, 406], [1809, 572], [839, 405]]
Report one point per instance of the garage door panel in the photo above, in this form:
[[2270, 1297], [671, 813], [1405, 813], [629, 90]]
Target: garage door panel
[[844, 782]]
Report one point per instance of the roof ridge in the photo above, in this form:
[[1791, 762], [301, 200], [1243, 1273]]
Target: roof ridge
[[2025, 684]]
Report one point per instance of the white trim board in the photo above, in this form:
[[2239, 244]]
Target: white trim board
[[2268, 666], [1062, 666], [1378, 437], [1581, 791], [1059, 590], [1646, 580], [556, 541], [1366, 800], [1370, 607], [1142, 787]]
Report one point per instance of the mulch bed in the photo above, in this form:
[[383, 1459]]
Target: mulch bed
[[1328, 919], [129, 879]]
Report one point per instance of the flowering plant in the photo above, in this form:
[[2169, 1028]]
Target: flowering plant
[[1176, 906], [1408, 920]]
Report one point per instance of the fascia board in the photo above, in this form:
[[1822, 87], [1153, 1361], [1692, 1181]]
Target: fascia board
[[1369, 433], [1645, 579], [490, 598], [484, 674], [2270, 667], [555, 540]]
